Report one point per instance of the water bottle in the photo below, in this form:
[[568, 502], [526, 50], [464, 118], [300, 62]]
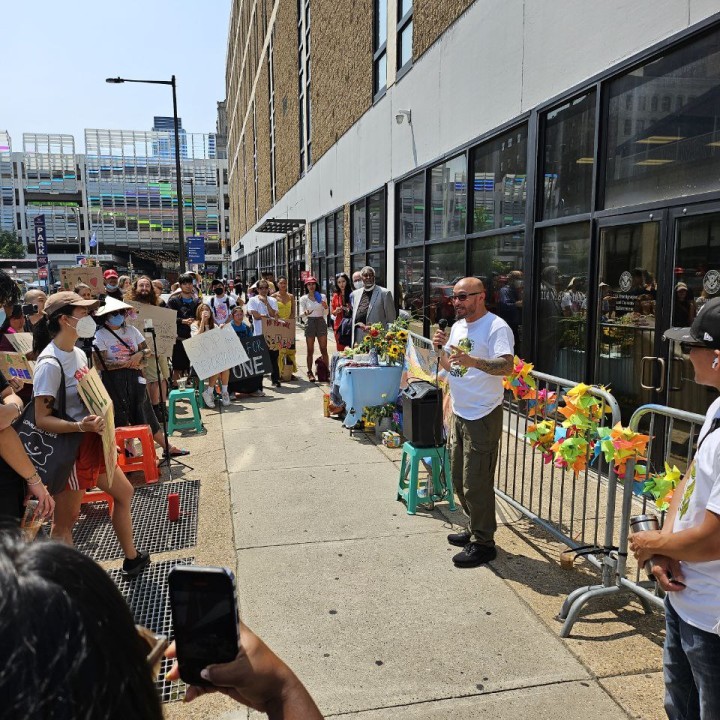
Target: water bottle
[[374, 362]]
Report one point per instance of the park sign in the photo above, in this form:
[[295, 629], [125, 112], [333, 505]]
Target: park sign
[[41, 249]]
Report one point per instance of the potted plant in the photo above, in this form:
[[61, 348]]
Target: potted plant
[[381, 415]]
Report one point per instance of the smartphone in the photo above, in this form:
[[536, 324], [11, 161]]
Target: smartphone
[[205, 618]]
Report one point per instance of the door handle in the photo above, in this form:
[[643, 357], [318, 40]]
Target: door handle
[[675, 376], [642, 372], [662, 375]]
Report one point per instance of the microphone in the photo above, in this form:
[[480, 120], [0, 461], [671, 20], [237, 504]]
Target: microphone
[[442, 324]]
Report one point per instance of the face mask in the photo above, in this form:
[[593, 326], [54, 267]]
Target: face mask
[[111, 288], [368, 285], [358, 284], [116, 319], [85, 327], [219, 290]]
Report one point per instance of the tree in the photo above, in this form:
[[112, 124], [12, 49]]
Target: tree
[[10, 246]]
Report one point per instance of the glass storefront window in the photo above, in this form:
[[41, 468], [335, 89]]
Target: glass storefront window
[[357, 225], [664, 127], [330, 234], [446, 265], [448, 198], [376, 221], [568, 158], [499, 181], [562, 305], [376, 261], [321, 238], [314, 237], [340, 232], [498, 262], [409, 285], [411, 210]]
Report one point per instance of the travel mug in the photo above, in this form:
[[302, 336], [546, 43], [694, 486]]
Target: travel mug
[[31, 525], [640, 523], [173, 507]]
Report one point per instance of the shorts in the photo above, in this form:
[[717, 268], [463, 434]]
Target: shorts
[[316, 327], [89, 464], [151, 371], [180, 360]]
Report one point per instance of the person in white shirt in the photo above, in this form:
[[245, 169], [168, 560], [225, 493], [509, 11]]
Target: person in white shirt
[[259, 306], [314, 307], [686, 552], [478, 352], [220, 304]]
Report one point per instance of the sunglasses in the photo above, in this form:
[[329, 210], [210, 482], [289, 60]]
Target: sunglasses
[[685, 348], [157, 644], [463, 296]]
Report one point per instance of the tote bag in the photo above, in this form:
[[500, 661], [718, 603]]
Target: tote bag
[[52, 454]]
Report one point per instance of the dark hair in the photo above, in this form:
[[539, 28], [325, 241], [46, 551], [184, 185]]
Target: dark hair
[[9, 290], [216, 282], [199, 311], [185, 278], [348, 288], [47, 328], [68, 645]]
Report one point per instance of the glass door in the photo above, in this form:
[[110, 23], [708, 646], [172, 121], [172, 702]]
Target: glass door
[[627, 316], [695, 280]]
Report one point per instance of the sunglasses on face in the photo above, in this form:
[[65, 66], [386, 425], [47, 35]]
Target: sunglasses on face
[[157, 644], [463, 296], [685, 348]]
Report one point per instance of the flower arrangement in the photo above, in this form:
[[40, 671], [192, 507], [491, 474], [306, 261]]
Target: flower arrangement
[[388, 343], [377, 412]]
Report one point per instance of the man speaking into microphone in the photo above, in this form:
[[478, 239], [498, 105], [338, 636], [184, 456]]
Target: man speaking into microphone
[[477, 354]]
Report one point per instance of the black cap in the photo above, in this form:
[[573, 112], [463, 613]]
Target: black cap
[[705, 330]]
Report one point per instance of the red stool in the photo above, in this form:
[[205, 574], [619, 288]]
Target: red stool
[[147, 462], [92, 496]]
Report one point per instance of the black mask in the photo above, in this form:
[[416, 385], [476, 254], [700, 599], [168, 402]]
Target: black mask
[[219, 290]]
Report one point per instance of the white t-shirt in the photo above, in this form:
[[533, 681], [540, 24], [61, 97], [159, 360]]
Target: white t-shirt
[[474, 393], [256, 304], [311, 306], [105, 341], [46, 380], [699, 603], [221, 308]]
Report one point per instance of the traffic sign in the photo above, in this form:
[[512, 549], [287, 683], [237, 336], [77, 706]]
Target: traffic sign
[[42, 273], [196, 249]]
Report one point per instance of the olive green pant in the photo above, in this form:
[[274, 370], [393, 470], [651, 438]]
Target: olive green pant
[[473, 446]]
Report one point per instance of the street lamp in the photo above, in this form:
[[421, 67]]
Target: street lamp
[[178, 175]]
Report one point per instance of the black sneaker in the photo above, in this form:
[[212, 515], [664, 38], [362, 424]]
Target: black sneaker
[[134, 567], [460, 539], [474, 555]]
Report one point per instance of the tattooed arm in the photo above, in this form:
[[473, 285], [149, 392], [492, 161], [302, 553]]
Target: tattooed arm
[[493, 366], [45, 420]]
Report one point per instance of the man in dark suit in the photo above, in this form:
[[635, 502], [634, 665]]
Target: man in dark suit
[[371, 304]]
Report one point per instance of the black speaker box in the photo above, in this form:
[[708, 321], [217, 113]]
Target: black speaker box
[[422, 414]]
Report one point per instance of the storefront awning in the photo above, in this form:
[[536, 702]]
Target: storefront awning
[[280, 225]]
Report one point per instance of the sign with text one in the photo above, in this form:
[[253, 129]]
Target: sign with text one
[[164, 323], [90, 276], [279, 334], [96, 399], [213, 351], [16, 365], [258, 362]]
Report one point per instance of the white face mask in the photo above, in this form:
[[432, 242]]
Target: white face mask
[[85, 327], [358, 284]]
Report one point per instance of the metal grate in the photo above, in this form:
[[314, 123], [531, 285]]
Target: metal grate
[[94, 535], [148, 600]]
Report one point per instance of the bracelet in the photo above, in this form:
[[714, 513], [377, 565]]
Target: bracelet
[[79, 426], [37, 482]]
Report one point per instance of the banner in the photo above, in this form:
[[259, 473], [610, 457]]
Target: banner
[[16, 365], [91, 276], [22, 342], [40, 241], [164, 322], [213, 351], [421, 362], [258, 362], [279, 334], [96, 399]]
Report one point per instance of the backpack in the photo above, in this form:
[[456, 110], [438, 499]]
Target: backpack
[[322, 371]]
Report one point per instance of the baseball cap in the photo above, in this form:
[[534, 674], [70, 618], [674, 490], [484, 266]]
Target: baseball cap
[[62, 299], [705, 330], [110, 274]]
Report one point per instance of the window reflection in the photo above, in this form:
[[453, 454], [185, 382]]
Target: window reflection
[[357, 222], [446, 265], [448, 198], [562, 305], [411, 210], [569, 152], [659, 149], [409, 285]]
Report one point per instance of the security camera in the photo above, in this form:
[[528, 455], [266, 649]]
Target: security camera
[[399, 118], [401, 115]]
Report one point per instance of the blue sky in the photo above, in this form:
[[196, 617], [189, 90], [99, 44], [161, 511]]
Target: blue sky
[[56, 56]]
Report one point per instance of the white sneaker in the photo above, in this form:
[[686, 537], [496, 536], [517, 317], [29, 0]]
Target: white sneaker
[[259, 393], [225, 399], [209, 397]]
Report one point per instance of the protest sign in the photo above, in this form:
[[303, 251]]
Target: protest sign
[[90, 276], [96, 399], [22, 342], [16, 365], [213, 351], [164, 322], [258, 362], [279, 334]]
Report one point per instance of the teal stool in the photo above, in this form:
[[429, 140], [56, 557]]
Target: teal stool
[[173, 423], [408, 488]]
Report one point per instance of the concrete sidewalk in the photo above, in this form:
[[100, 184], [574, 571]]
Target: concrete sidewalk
[[364, 603]]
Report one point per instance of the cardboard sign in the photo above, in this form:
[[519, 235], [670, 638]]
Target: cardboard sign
[[22, 342], [16, 365], [258, 362], [164, 322], [213, 351], [279, 334], [96, 399], [91, 276]]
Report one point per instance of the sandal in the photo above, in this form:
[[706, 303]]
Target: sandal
[[311, 377], [177, 452]]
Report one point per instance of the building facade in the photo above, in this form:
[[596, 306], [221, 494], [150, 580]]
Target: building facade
[[566, 153], [118, 199]]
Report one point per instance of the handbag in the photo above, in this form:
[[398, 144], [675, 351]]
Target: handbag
[[52, 454], [345, 332]]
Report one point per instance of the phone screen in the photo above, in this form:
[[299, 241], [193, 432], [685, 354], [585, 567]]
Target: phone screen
[[205, 619]]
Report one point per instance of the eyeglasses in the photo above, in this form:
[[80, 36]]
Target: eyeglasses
[[685, 348], [157, 645], [463, 296]]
